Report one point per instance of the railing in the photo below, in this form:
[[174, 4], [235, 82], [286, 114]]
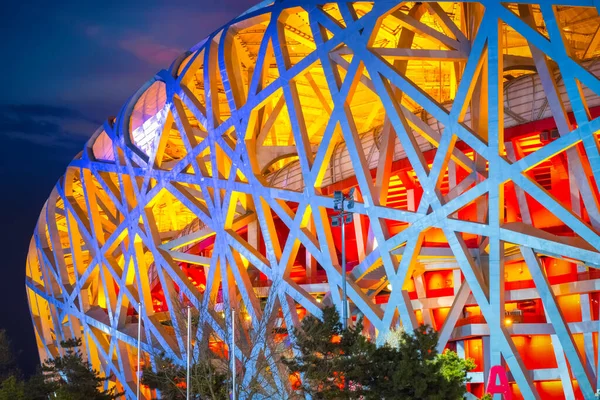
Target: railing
[[516, 316], [474, 319], [555, 280]]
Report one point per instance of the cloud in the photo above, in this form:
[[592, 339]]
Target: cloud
[[141, 45], [44, 110], [148, 50], [46, 125], [93, 31]]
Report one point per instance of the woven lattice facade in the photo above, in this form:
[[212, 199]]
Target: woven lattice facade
[[469, 131]]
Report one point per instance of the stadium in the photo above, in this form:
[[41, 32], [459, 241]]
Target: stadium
[[469, 133]]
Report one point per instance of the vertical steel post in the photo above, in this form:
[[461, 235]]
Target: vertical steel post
[[233, 353], [344, 297], [189, 352], [139, 348], [598, 371]]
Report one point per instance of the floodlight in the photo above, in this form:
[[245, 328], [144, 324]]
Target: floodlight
[[350, 204]]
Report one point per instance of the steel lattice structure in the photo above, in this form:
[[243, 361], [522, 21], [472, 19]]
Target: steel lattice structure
[[469, 130]]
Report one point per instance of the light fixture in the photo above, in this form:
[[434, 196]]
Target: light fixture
[[389, 287], [508, 321]]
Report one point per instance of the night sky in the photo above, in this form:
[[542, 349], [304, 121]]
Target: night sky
[[66, 66]]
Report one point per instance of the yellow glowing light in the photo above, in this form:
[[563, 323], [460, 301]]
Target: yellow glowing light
[[178, 209]]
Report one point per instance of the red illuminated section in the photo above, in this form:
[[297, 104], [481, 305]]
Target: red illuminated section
[[435, 282]]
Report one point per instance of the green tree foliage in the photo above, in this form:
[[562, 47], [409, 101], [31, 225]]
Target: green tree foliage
[[415, 370], [211, 375], [328, 355], [343, 364], [12, 384], [8, 358], [206, 380], [35, 388], [69, 377], [12, 388]]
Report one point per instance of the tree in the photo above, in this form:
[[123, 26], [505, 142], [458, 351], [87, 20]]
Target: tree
[[211, 372], [12, 388], [56, 379], [338, 363], [12, 384], [329, 355], [415, 370], [8, 358], [206, 380], [69, 377]]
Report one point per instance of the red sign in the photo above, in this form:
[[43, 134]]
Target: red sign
[[498, 372]]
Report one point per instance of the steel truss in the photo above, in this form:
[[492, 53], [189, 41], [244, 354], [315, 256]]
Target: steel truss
[[172, 202]]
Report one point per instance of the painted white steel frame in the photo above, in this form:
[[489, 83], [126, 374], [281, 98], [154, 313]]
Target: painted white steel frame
[[131, 180]]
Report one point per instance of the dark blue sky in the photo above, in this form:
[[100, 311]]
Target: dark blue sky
[[66, 66]]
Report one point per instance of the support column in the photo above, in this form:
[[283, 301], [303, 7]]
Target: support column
[[588, 337], [486, 351], [456, 280], [311, 262], [460, 348], [563, 367], [511, 154], [253, 234], [421, 294]]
